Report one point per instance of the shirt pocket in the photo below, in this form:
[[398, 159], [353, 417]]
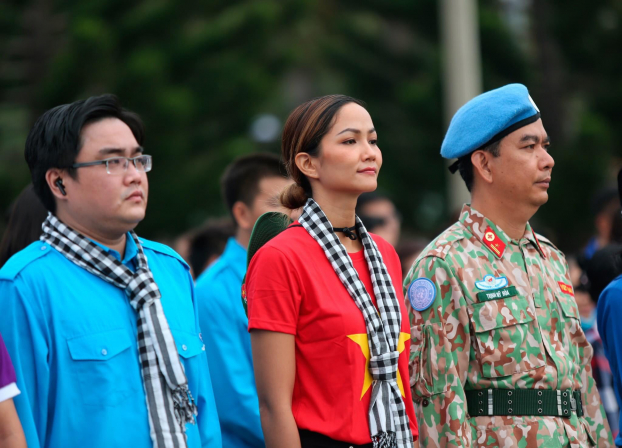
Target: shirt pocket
[[572, 318], [507, 338], [575, 343], [100, 366], [432, 361], [189, 346]]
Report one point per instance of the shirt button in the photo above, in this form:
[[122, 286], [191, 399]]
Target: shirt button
[[104, 351], [184, 348], [425, 403], [43, 247]]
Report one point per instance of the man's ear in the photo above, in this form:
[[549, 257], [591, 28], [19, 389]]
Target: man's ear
[[481, 165], [307, 165], [242, 215], [54, 178]]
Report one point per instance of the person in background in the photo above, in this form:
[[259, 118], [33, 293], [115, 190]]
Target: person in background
[[605, 205], [207, 243], [328, 324], [586, 296], [24, 224], [181, 245], [604, 271], [250, 186], [499, 357], [380, 216], [580, 284], [11, 433], [101, 325], [616, 228]]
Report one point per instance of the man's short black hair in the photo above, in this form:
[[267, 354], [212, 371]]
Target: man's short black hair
[[605, 200], [465, 166], [55, 139], [208, 242], [604, 266], [240, 181]]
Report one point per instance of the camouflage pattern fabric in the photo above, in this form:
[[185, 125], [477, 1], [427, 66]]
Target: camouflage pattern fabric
[[529, 340]]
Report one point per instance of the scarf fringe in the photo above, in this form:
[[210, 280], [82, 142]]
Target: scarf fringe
[[384, 440], [185, 408]]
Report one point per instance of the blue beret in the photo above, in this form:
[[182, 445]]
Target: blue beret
[[488, 118]]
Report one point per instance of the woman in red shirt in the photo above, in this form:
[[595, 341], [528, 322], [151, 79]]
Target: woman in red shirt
[[329, 329]]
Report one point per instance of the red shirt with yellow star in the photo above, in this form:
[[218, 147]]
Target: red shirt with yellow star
[[292, 288]]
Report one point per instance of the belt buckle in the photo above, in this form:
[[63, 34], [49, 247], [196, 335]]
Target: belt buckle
[[573, 402]]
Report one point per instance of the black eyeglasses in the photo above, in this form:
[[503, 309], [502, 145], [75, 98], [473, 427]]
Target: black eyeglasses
[[119, 165]]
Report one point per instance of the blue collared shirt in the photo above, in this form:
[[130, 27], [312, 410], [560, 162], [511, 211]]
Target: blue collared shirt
[[228, 345], [73, 341], [608, 315]]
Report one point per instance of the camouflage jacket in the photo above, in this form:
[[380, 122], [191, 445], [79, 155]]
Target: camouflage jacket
[[529, 338]]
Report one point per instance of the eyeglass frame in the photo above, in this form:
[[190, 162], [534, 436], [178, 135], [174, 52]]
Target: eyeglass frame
[[105, 162]]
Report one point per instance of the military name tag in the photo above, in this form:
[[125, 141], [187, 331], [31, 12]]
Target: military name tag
[[503, 293]]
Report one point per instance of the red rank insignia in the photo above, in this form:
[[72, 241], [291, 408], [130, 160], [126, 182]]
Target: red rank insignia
[[244, 291], [493, 242], [567, 289]]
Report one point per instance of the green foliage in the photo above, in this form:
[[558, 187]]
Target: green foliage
[[199, 72]]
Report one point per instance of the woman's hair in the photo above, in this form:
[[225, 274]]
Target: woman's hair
[[24, 226], [304, 129]]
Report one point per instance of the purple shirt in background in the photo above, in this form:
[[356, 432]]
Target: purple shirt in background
[[8, 388]]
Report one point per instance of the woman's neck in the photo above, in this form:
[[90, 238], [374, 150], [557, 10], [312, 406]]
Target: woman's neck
[[340, 211]]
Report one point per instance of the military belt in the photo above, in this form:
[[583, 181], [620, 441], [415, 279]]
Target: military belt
[[556, 403]]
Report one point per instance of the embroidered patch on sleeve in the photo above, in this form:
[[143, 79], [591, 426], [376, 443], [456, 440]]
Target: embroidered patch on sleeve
[[421, 293], [566, 289]]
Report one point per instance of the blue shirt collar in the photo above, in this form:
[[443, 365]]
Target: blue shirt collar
[[234, 251], [131, 250]]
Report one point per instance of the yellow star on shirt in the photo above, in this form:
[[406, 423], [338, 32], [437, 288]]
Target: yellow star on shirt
[[361, 341]]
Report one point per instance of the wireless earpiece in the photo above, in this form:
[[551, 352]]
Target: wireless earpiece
[[61, 187]]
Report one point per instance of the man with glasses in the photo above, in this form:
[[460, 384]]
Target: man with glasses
[[102, 325]]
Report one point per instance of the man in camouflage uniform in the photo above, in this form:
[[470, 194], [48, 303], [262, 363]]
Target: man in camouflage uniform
[[498, 355]]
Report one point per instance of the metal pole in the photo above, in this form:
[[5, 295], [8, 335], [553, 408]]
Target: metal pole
[[462, 72]]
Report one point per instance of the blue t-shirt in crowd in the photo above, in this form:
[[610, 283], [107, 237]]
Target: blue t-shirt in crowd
[[608, 320], [228, 345], [73, 341]]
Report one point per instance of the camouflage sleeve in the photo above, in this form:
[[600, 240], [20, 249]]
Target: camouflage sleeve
[[439, 358], [594, 411]]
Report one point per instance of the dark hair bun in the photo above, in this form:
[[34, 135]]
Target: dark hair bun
[[294, 197]]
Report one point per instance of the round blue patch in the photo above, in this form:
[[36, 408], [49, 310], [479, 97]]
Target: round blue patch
[[421, 293]]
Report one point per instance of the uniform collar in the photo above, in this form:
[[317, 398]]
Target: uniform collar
[[234, 250], [491, 235], [235, 254], [531, 236], [131, 250]]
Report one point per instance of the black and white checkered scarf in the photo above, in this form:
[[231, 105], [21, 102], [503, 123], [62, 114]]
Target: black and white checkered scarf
[[388, 421], [169, 402]]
